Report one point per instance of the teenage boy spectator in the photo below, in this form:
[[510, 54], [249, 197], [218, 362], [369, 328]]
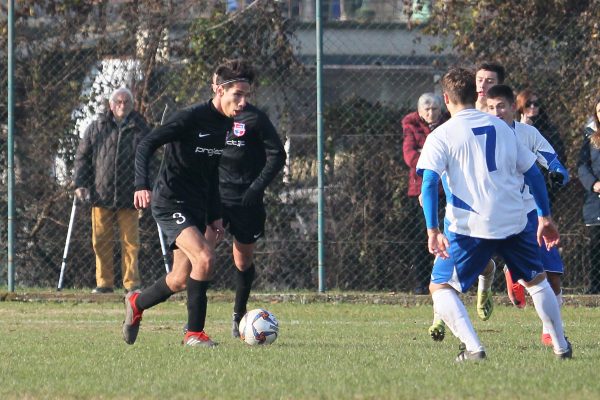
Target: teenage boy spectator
[[104, 175], [186, 196]]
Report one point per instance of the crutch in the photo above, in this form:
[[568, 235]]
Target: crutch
[[64, 258], [163, 248], [160, 234]]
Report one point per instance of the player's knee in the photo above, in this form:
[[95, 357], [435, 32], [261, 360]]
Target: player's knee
[[204, 264], [535, 281], [243, 264], [177, 283]]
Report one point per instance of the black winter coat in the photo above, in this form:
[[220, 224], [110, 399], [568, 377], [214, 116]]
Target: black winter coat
[[104, 163], [588, 169]]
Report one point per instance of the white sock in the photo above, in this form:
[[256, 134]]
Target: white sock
[[436, 317], [487, 279], [546, 305], [560, 301], [452, 311]]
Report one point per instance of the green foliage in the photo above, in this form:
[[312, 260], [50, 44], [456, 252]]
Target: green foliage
[[365, 166], [550, 46], [259, 34]]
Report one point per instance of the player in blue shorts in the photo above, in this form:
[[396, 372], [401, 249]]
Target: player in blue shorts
[[501, 103], [485, 167]]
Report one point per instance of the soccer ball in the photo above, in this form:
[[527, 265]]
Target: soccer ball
[[259, 326]]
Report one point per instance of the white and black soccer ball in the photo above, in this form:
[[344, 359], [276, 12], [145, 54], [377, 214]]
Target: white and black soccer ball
[[259, 327]]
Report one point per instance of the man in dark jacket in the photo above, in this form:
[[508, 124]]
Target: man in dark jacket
[[416, 126], [104, 174]]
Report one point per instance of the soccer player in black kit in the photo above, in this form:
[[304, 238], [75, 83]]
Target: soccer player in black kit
[[185, 196], [252, 157]]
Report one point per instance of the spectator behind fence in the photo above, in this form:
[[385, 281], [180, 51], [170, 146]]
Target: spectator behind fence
[[416, 126], [531, 111], [104, 175], [588, 168]]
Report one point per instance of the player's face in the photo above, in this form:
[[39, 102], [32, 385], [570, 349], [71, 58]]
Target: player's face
[[234, 98], [484, 80], [121, 106], [501, 108], [431, 113], [598, 114]]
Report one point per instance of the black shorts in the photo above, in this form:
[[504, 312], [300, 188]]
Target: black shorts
[[246, 224], [174, 218]]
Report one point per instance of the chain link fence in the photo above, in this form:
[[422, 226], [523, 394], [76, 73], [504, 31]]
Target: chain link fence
[[377, 62]]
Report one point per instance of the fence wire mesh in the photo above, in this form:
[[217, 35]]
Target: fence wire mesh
[[377, 62]]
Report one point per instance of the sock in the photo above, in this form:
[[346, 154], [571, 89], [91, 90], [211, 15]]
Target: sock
[[546, 305], [155, 294], [196, 304], [560, 301], [243, 285], [487, 279], [448, 306], [436, 317]]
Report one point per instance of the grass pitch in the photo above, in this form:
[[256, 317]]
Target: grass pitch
[[74, 350]]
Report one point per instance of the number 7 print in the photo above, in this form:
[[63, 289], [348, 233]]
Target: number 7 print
[[490, 144]]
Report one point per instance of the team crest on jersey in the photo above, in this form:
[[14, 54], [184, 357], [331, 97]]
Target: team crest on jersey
[[239, 129]]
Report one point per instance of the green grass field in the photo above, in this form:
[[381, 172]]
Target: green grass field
[[326, 350]]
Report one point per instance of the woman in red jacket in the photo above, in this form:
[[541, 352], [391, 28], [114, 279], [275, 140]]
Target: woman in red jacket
[[416, 126]]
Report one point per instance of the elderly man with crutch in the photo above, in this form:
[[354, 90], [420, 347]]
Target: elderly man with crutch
[[104, 175]]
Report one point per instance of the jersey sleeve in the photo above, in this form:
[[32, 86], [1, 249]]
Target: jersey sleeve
[[543, 149], [169, 132], [274, 152], [434, 155], [525, 158], [84, 171]]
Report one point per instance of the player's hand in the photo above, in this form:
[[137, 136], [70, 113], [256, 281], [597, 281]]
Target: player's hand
[[217, 227], [559, 176], [437, 243], [596, 187], [252, 197], [547, 233], [142, 198]]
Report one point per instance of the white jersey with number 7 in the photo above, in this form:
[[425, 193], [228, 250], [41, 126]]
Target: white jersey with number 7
[[484, 165]]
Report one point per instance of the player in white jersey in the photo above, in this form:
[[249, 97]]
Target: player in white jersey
[[487, 74], [485, 166], [501, 103]]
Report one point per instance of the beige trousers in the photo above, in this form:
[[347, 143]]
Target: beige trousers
[[103, 234]]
